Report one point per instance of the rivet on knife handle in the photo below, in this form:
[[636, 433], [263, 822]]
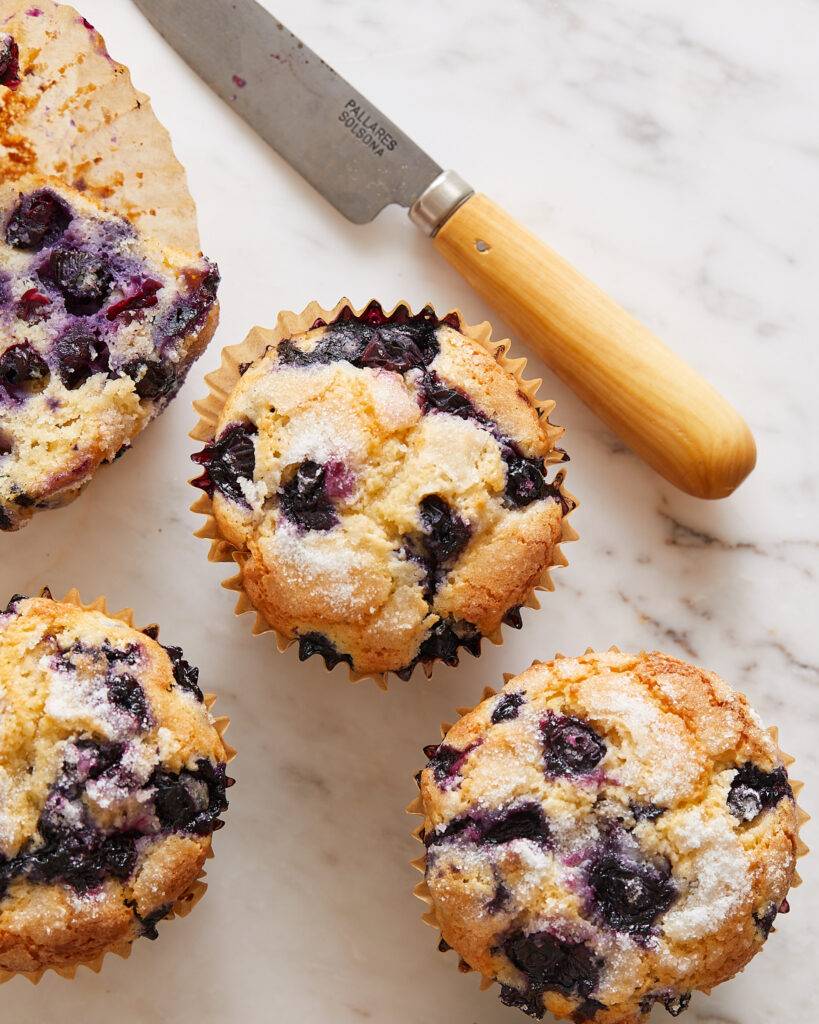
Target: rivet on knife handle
[[651, 398]]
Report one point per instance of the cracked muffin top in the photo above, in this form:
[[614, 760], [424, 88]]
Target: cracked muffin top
[[98, 328], [385, 481], [112, 779], [607, 833]]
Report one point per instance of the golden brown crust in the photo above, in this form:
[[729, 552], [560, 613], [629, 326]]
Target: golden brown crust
[[674, 736]]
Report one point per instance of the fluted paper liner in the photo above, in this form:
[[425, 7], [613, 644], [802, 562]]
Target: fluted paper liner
[[221, 383], [421, 890], [75, 115], [188, 900]]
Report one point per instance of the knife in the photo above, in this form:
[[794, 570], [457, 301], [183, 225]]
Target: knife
[[361, 162]]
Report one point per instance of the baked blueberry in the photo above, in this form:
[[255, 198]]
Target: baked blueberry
[[571, 747], [754, 790], [38, 220], [227, 461], [507, 707], [630, 895], [21, 364]]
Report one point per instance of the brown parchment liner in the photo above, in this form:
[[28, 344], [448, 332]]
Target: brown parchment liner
[[76, 115], [188, 900], [421, 890], [221, 383]]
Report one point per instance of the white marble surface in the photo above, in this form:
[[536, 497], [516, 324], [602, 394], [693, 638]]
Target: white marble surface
[[669, 149]]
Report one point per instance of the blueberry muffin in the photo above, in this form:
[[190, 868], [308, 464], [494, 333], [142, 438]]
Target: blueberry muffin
[[98, 327], [112, 780], [385, 483], [607, 833]]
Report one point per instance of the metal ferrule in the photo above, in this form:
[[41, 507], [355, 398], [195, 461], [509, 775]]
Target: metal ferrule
[[439, 201]]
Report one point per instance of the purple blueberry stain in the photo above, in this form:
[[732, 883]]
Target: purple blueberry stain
[[227, 461], [507, 707], [753, 791], [571, 747]]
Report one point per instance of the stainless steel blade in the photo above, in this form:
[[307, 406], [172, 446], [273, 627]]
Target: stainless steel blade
[[323, 127]]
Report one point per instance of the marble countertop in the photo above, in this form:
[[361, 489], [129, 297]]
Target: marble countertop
[[669, 150]]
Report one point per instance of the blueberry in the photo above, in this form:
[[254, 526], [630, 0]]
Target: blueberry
[[84, 279], [11, 607], [676, 1004], [507, 707], [317, 643], [31, 306], [9, 62], [192, 800], [153, 378], [304, 501], [436, 396], [39, 219], [80, 355], [753, 791], [446, 762], [185, 674], [229, 459], [551, 965], [525, 480], [465, 827], [143, 298], [20, 364], [525, 822], [764, 922], [446, 534], [646, 812], [513, 617], [570, 746], [125, 693], [445, 638], [398, 343], [191, 310], [150, 921], [630, 895]]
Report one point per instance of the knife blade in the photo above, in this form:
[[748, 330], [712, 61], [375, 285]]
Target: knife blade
[[361, 162]]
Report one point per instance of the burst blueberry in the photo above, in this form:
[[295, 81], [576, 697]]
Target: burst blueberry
[[571, 747], [39, 219], [228, 460], [630, 895], [754, 790]]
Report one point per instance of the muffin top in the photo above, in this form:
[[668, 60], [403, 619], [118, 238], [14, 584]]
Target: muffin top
[[98, 326], [385, 482], [112, 779], [608, 832]]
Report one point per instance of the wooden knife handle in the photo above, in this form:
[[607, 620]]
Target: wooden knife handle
[[654, 401]]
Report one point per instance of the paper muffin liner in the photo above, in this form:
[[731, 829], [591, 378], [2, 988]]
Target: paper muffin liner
[[421, 889], [221, 383], [75, 115], [185, 903]]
